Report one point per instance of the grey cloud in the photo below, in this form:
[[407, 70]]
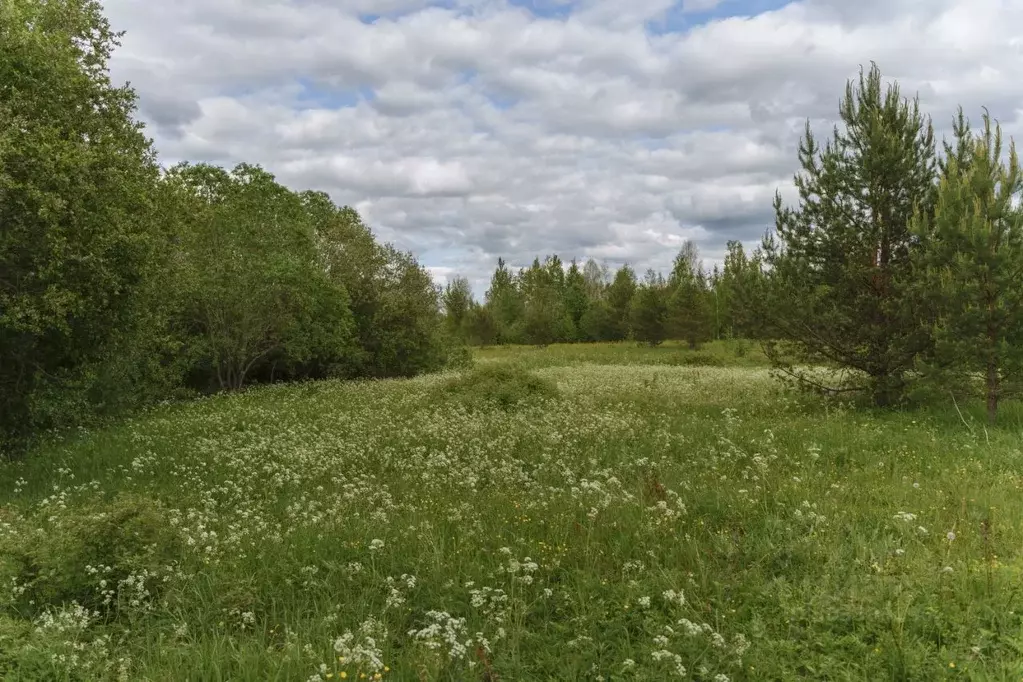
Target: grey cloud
[[606, 142]]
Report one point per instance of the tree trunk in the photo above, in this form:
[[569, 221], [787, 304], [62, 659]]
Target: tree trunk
[[993, 389]]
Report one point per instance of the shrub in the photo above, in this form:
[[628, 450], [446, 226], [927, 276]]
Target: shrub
[[102, 558], [498, 386]]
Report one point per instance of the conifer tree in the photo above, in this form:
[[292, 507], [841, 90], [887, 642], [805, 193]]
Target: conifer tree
[[690, 316], [649, 311], [576, 299], [840, 261], [619, 300], [971, 264]]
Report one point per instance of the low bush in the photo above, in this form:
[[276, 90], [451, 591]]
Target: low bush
[[499, 386]]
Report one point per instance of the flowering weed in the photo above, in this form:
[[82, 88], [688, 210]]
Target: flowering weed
[[625, 521]]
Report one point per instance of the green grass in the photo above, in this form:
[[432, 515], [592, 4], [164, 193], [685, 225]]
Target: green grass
[[624, 516]]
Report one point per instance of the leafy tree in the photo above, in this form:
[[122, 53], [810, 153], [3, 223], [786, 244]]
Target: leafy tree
[[597, 277], [76, 218], [840, 262], [253, 288], [457, 301], [619, 299], [972, 264], [395, 305], [506, 303], [405, 336], [649, 314], [546, 319]]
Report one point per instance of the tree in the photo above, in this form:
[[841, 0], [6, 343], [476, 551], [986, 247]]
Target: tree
[[546, 319], [689, 313], [253, 287], [395, 305], [619, 299], [597, 277], [457, 301], [971, 264], [649, 314], [505, 302], [598, 323], [739, 289], [481, 327], [840, 262], [576, 298], [76, 178]]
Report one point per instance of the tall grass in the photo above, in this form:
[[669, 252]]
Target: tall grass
[[628, 519]]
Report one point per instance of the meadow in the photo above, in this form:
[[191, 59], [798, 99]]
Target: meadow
[[603, 512]]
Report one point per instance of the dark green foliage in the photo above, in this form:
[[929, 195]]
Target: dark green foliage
[[120, 288], [501, 386], [649, 314], [690, 315], [546, 318], [254, 294], [75, 210], [577, 300], [971, 267], [125, 541], [840, 261], [598, 322], [619, 300], [481, 327]]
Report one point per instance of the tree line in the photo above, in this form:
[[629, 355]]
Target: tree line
[[548, 302], [123, 284], [898, 273]]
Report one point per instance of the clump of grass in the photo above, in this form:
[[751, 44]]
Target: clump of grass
[[105, 557], [501, 386]]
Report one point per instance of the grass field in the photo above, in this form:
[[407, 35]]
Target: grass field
[[621, 514]]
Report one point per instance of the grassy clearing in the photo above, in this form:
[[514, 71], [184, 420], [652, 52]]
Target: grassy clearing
[[619, 519]]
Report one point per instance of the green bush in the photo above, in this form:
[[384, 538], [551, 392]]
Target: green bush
[[111, 555], [498, 386]]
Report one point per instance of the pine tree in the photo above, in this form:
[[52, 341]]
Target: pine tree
[[576, 300], [649, 313], [619, 299], [840, 262], [690, 314], [972, 264]]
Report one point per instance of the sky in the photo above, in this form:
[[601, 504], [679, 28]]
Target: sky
[[465, 130]]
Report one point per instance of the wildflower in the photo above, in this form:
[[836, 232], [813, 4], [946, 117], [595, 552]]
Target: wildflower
[[951, 535]]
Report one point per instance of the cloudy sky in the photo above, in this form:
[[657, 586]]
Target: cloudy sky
[[464, 130]]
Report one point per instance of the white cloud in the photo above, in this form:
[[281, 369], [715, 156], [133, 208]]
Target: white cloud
[[483, 130]]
